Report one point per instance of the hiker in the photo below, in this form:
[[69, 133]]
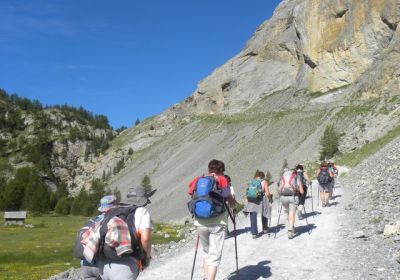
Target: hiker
[[324, 178], [90, 270], [335, 173], [233, 195], [289, 189], [209, 194], [333, 168], [256, 190], [266, 205], [306, 181], [125, 237]]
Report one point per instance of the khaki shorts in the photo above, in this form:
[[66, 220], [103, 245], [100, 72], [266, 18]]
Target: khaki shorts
[[290, 203], [212, 240]]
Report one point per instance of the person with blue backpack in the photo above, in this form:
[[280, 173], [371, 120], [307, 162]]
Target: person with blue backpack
[[207, 205], [256, 189]]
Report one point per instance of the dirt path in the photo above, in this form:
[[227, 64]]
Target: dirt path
[[314, 253]]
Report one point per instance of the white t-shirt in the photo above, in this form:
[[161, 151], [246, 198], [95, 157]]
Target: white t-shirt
[[143, 219]]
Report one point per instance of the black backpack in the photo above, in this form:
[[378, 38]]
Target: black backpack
[[324, 178], [300, 177], [127, 214]]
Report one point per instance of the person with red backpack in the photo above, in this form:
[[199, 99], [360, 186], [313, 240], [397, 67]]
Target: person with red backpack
[[325, 179], [207, 205], [290, 187]]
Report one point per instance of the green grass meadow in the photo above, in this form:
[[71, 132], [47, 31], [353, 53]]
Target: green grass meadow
[[39, 252], [46, 249]]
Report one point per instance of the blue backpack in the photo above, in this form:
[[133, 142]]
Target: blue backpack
[[207, 201], [254, 191]]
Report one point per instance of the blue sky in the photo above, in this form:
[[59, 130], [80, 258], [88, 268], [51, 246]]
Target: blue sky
[[123, 59]]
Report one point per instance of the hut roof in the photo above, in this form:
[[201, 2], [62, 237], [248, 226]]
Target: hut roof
[[15, 215]]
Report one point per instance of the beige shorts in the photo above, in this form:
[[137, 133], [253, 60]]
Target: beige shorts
[[290, 203], [212, 240]]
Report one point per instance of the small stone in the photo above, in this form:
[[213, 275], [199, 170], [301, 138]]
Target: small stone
[[390, 230], [381, 269], [358, 234], [167, 235], [397, 256]]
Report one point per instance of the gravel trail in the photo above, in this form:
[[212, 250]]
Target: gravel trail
[[314, 253]]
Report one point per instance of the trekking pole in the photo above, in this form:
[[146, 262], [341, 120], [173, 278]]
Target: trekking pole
[[195, 255], [312, 198], [333, 194], [269, 223], [234, 234], [305, 212], [318, 197], [277, 224]]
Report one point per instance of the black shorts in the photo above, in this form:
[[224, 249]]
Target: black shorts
[[302, 197]]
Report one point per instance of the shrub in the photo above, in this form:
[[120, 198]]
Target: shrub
[[63, 206]]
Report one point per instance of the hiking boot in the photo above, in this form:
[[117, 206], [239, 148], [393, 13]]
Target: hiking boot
[[290, 234], [265, 231]]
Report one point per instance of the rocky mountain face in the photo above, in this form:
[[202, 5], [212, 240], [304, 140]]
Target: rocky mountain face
[[314, 63], [62, 142]]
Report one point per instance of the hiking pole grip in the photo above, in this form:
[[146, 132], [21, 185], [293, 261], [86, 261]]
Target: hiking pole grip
[[195, 255]]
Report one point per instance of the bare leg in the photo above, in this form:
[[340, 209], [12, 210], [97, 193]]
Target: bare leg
[[292, 219], [212, 272], [205, 268]]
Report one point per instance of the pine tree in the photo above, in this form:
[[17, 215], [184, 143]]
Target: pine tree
[[268, 177], [80, 204], [329, 143], [97, 191], [137, 121], [63, 206], [146, 183]]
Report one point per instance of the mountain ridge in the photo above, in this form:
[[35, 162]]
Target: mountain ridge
[[244, 110]]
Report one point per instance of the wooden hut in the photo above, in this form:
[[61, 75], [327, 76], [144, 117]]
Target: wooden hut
[[15, 217]]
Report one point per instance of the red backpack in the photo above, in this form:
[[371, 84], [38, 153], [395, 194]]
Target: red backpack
[[288, 185]]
